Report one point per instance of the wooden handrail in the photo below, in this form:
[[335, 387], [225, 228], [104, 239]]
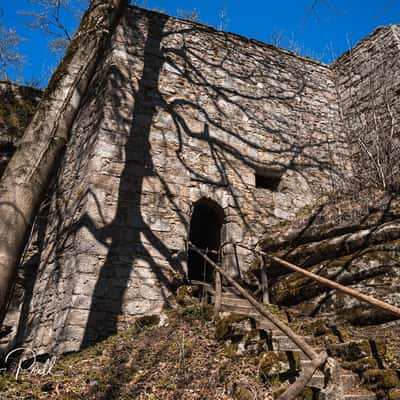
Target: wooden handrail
[[334, 285], [317, 360], [308, 350], [328, 282], [207, 286]]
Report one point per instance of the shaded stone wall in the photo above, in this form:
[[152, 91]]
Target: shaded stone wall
[[45, 291], [368, 84], [177, 112]]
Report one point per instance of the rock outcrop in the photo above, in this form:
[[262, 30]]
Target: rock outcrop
[[17, 105], [355, 243]]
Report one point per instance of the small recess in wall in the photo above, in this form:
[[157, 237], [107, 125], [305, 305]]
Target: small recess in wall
[[267, 180]]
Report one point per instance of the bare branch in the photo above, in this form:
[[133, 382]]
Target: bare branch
[[10, 58], [192, 15], [50, 18]]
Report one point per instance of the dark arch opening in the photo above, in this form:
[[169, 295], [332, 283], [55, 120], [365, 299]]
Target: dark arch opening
[[205, 233]]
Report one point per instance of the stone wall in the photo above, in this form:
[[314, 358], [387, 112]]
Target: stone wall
[[177, 112], [48, 269], [368, 83]]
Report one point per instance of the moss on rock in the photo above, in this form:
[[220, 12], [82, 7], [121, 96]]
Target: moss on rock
[[384, 379], [351, 351], [342, 334], [17, 106], [241, 392], [361, 315], [233, 327], [184, 295], [361, 365], [147, 321], [281, 364], [306, 394], [394, 394], [318, 327], [279, 391], [196, 311], [331, 339]]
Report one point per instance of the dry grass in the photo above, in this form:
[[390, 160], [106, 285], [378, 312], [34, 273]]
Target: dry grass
[[180, 360]]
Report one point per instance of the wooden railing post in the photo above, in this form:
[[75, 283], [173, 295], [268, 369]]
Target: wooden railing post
[[299, 341], [317, 360], [264, 281], [218, 294]]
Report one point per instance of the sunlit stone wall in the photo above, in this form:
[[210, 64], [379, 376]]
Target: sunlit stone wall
[[177, 112]]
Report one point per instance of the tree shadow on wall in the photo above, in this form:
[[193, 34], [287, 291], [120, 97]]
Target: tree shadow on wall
[[128, 236], [123, 236]]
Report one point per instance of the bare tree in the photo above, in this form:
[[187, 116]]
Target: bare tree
[[191, 15], [50, 18], [288, 41], [372, 126], [316, 6], [10, 57], [280, 39], [223, 20]]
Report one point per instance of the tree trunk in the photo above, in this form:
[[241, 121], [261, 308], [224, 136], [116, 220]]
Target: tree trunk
[[264, 281], [309, 254], [26, 178]]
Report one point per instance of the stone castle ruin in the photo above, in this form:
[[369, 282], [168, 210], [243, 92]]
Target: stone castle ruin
[[187, 133]]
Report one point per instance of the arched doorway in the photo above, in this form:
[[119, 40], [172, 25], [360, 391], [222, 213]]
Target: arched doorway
[[205, 233]]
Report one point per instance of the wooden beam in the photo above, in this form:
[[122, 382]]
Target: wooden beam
[[264, 281], [317, 360], [337, 286], [218, 294], [308, 350]]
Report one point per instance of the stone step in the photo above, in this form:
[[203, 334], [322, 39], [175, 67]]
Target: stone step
[[234, 301], [283, 343], [250, 311], [348, 380], [269, 326], [231, 295], [355, 394], [359, 396], [244, 310], [304, 359], [317, 380], [231, 290]]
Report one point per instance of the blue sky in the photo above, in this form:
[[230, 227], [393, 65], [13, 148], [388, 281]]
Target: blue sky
[[323, 35]]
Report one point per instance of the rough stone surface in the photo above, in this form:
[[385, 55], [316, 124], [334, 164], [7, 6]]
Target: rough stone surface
[[279, 363], [359, 251], [177, 112], [368, 85]]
